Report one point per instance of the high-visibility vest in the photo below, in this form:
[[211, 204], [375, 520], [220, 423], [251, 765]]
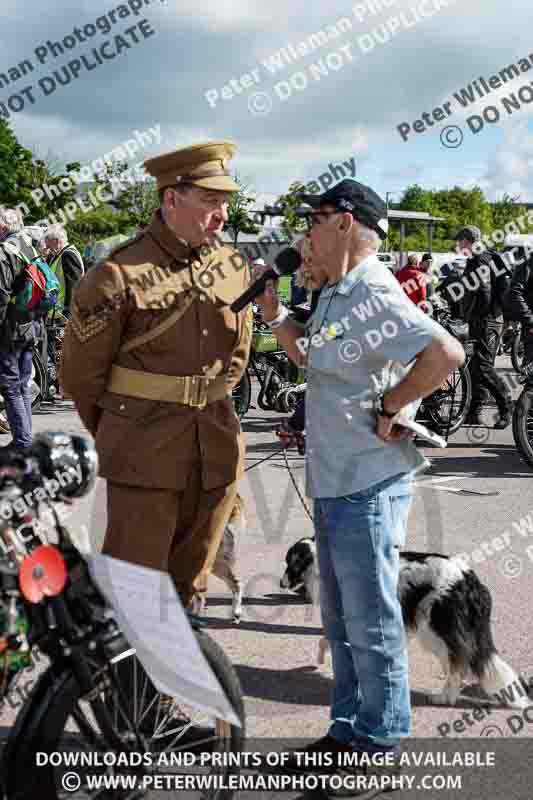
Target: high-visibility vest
[[57, 267]]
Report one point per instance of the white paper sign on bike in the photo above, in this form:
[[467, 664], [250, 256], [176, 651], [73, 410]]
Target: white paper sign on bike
[[152, 619]]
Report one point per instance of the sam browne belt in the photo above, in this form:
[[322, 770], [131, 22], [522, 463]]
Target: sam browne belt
[[196, 391]]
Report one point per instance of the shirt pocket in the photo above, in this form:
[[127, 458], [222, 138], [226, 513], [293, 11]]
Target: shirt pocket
[[324, 355]]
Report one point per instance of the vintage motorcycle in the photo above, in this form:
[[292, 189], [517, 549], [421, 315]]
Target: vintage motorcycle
[[278, 378], [94, 695], [523, 417]]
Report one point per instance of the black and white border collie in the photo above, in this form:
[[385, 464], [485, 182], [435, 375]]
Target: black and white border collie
[[301, 574], [446, 606]]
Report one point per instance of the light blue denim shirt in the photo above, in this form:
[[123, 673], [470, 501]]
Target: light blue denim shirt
[[362, 332]]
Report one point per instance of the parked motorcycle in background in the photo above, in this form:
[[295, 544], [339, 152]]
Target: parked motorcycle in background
[[278, 378]]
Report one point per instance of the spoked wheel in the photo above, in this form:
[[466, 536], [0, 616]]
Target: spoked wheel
[[267, 397], [174, 740], [287, 400], [448, 406], [518, 353], [38, 384], [523, 425], [242, 395], [280, 403]]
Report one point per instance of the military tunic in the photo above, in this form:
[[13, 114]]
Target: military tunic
[[172, 469]]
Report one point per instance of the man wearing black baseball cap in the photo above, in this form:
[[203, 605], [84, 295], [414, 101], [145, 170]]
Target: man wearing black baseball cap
[[359, 466], [361, 201]]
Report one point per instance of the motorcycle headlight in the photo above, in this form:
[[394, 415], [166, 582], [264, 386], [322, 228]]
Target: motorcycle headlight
[[69, 459]]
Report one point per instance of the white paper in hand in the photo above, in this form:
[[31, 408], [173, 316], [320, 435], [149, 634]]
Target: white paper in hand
[[408, 414], [151, 617]]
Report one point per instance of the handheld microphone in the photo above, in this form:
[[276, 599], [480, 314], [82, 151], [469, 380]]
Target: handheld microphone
[[285, 263]]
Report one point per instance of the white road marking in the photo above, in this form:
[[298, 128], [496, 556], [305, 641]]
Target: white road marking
[[441, 479]]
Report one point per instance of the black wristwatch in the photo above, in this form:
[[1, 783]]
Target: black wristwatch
[[380, 407]]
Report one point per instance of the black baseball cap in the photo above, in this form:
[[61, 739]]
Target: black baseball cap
[[361, 201]]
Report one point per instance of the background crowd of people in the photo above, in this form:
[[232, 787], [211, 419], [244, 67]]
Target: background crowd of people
[[486, 290], [21, 328]]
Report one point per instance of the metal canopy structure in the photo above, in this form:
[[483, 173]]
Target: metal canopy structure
[[394, 216], [413, 216]]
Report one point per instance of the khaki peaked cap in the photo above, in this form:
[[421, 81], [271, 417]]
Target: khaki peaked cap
[[204, 165]]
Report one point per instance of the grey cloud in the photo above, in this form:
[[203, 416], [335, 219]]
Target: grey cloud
[[201, 46]]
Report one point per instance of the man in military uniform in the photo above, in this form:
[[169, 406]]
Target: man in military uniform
[[151, 355]]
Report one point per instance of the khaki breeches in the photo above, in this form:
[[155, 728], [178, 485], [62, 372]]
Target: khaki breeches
[[176, 532]]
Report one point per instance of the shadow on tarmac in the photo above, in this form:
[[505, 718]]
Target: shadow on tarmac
[[505, 463]]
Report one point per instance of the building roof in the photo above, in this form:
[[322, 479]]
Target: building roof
[[394, 214], [413, 216]]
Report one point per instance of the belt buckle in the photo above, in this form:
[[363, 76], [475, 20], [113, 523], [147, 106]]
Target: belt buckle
[[198, 393]]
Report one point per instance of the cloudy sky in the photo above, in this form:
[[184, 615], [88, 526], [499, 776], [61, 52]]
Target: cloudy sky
[[205, 71]]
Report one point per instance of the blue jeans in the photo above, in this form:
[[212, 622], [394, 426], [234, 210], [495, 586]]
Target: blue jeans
[[358, 540], [15, 383]]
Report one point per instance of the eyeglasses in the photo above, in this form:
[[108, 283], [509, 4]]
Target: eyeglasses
[[319, 217]]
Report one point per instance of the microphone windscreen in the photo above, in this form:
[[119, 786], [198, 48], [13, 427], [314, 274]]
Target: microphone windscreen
[[288, 261]]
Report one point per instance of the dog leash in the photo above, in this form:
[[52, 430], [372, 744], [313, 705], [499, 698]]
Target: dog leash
[[283, 450], [298, 492], [266, 458]]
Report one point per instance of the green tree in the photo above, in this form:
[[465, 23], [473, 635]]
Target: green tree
[[52, 192], [17, 173], [506, 210], [134, 198], [288, 203], [133, 201], [458, 206], [88, 228], [21, 175], [239, 218]]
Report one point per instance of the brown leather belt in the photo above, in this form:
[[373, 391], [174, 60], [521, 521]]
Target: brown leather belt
[[195, 391]]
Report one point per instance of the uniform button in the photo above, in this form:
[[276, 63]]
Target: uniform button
[[121, 407], [205, 332]]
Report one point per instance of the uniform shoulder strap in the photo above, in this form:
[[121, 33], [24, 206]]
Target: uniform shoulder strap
[[153, 333], [123, 245]]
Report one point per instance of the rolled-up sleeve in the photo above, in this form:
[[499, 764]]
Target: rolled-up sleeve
[[401, 328]]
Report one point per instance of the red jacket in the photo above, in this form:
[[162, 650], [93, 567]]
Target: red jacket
[[413, 282]]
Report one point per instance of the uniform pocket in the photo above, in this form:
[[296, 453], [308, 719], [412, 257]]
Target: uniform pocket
[[128, 407]]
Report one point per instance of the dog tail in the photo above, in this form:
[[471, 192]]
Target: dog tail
[[499, 680]]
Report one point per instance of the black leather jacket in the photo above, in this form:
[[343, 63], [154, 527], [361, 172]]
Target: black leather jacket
[[519, 303], [478, 301]]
